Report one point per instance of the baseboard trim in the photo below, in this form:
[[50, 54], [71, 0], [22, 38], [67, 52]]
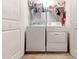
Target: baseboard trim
[[44, 52]]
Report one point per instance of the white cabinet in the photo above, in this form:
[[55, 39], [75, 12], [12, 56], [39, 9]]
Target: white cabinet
[[56, 39], [56, 47], [35, 39]]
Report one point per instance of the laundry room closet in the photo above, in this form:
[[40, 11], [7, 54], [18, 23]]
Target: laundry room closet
[[46, 30]]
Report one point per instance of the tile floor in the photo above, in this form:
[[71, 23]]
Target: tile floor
[[48, 56]]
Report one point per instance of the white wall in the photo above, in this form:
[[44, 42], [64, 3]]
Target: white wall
[[67, 8], [71, 25], [25, 13], [73, 28]]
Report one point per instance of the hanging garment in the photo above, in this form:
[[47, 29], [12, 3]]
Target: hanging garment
[[62, 18], [58, 12], [55, 13], [35, 5], [32, 4], [59, 18], [35, 11], [32, 11]]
